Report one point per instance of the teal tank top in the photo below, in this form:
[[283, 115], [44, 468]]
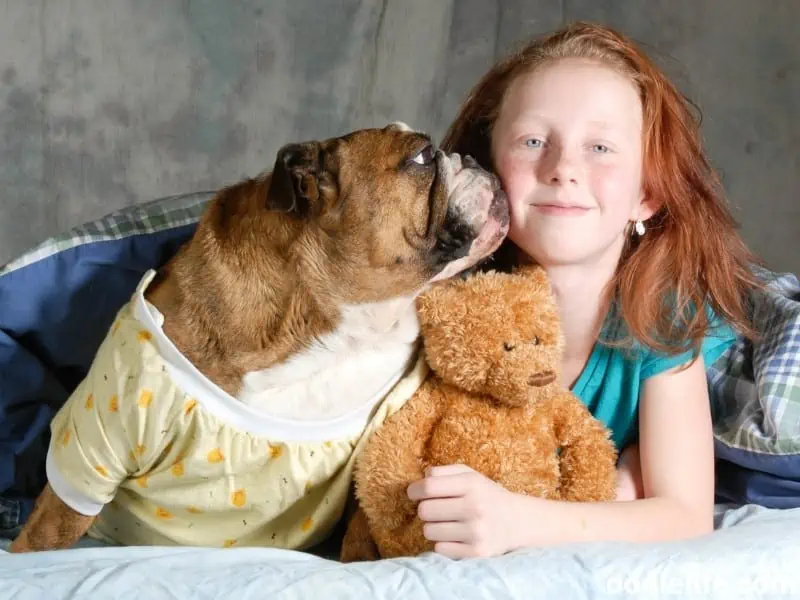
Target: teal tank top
[[610, 382]]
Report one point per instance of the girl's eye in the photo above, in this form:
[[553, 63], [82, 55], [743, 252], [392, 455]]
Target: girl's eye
[[425, 156], [533, 143], [600, 148]]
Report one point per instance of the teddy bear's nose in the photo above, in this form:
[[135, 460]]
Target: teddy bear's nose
[[543, 378]]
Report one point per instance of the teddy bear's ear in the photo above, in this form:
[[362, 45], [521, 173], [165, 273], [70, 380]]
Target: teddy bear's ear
[[442, 302], [535, 274]]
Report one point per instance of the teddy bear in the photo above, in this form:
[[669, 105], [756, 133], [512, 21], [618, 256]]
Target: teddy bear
[[492, 401]]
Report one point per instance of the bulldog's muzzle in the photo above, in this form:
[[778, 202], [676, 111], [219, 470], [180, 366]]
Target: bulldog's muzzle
[[477, 218]]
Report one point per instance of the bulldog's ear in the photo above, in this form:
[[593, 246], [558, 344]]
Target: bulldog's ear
[[294, 185]]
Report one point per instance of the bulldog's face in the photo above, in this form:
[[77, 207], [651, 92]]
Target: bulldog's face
[[383, 212]]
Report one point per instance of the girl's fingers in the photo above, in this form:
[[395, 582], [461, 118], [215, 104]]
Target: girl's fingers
[[440, 486], [455, 550], [447, 470], [435, 510], [446, 532]]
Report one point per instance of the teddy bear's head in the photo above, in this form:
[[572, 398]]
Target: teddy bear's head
[[494, 333]]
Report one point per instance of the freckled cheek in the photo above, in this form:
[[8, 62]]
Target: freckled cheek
[[517, 178], [614, 189]]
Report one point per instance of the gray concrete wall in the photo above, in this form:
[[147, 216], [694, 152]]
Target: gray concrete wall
[[106, 103]]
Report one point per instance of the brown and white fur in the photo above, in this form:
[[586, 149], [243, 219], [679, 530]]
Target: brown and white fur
[[296, 293]]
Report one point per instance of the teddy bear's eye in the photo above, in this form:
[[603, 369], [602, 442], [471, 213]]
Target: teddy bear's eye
[[508, 346], [536, 340]]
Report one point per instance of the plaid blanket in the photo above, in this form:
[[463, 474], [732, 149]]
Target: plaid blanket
[[755, 394], [163, 214]]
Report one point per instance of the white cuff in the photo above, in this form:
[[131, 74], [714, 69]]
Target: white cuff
[[68, 494]]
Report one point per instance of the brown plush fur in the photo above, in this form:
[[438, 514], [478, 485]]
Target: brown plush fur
[[493, 402]]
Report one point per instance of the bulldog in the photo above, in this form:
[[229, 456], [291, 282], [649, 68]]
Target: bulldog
[[231, 394]]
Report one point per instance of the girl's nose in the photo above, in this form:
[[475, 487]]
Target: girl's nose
[[559, 168]]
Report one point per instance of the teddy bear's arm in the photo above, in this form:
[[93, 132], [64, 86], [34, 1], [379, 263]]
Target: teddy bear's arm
[[588, 456], [358, 544], [392, 460]]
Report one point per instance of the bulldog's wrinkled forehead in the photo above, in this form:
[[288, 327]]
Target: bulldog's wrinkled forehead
[[392, 145]]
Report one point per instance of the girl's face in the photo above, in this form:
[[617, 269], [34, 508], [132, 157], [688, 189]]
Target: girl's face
[[567, 146]]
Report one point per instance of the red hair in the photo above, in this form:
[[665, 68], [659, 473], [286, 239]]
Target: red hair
[[691, 256]]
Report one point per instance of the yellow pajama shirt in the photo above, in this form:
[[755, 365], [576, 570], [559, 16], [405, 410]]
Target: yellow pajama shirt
[[165, 457]]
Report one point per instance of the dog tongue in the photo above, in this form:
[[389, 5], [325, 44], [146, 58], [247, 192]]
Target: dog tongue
[[494, 229]]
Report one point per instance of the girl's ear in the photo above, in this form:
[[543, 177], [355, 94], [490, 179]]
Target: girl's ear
[[646, 208]]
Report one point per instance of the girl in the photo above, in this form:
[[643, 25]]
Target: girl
[[611, 193]]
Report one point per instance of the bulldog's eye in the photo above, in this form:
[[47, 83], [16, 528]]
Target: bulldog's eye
[[425, 156], [536, 341]]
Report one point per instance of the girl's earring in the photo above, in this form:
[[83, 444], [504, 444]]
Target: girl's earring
[[639, 227]]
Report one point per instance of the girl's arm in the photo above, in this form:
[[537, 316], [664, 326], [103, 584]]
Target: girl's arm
[[677, 467], [629, 474], [469, 515]]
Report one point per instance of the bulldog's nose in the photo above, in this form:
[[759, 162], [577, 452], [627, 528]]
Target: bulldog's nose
[[469, 162]]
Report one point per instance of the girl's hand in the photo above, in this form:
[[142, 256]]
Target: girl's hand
[[465, 513]]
